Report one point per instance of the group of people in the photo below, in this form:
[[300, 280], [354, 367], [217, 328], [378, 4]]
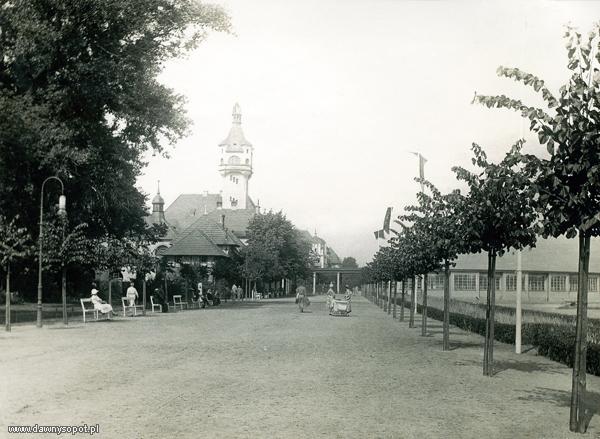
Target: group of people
[[105, 307], [303, 301], [331, 298], [206, 297]]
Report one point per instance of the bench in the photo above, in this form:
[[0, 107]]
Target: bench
[[196, 303], [155, 305], [178, 302], [133, 308], [88, 306]]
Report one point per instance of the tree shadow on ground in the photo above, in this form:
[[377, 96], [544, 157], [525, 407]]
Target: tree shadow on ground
[[562, 398], [526, 366]]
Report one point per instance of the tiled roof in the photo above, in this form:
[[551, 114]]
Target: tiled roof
[[333, 257], [549, 255], [187, 208], [213, 231], [236, 220], [313, 239], [195, 243]]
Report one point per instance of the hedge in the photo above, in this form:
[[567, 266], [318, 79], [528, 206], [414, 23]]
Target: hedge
[[554, 341]]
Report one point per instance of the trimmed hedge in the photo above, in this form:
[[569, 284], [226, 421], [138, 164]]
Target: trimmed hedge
[[554, 341]]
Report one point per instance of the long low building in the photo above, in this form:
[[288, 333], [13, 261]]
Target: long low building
[[550, 267]]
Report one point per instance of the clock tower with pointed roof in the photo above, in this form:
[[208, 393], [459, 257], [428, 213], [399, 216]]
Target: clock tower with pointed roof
[[235, 164]]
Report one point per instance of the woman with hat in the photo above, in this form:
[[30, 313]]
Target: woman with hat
[[99, 304]]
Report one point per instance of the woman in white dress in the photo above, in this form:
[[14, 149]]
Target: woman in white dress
[[99, 304]]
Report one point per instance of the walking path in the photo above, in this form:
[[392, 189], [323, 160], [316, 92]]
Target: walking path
[[263, 370]]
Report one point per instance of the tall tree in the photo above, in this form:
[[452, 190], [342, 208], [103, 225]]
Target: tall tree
[[275, 249], [81, 99], [349, 262], [568, 182], [498, 214]]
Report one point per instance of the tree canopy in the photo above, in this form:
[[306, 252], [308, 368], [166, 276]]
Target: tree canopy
[[81, 100], [275, 249]]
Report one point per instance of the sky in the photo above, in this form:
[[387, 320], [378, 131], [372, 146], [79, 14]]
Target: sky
[[336, 95]]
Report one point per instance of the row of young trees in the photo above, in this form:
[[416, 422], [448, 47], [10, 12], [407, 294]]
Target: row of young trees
[[508, 204]]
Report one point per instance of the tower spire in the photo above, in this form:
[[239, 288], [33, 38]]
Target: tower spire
[[237, 114], [158, 187]]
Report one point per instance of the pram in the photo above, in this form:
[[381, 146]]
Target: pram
[[340, 308]]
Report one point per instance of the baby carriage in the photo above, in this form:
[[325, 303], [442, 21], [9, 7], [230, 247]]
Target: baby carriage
[[340, 307]]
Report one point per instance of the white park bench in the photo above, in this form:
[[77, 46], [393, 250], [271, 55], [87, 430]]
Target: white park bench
[[155, 305], [132, 308], [196, 303], [88, 306], [177, 302]]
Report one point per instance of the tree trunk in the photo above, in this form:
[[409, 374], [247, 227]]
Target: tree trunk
[[424, 309], [577, 420], [395, 294], [7, 321], [402, 301], [109, 289], [144, 297], [413, 299], [389, 302], [488, 350], [446, 330], [64, 296], [384, 302], [166, 290]]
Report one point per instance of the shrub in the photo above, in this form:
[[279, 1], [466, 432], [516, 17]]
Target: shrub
[[554, 340]]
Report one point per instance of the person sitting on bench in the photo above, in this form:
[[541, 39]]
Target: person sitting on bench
[[99, 304]]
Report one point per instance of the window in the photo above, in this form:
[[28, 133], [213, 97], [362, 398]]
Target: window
[[573, 282], [483, 282], [511, 282], [435, 281], [247, 161], [234, 160], [221, 161], [593, 283], [558, 283], [536, 282], [464, 282]]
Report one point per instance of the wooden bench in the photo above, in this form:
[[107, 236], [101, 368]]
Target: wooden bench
[[155, 305], [133, 308], [177, 302], [88, 306], [196, 303]]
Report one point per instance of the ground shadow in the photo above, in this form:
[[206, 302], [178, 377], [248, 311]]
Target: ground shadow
[[454, 345], [562, 398], [522, 366]]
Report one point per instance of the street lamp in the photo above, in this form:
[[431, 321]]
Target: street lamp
[[62, 210]]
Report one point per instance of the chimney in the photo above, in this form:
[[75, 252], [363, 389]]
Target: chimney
[[258, 206], [223, 221]]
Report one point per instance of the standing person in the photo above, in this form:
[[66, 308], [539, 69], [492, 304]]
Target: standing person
[[330, 296], [348, 297], [160, 298], [132, 294], [234, 292], [302, 297], [101, 305]]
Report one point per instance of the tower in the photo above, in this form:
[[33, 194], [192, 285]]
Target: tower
[[158, 207], [235, 164]]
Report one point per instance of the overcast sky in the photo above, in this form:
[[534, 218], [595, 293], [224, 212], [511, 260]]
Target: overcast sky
[[335, 95]]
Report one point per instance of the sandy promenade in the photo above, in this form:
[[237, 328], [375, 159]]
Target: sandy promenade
[[263, 370]]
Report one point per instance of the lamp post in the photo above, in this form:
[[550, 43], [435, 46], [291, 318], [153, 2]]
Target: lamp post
[[62, 204]]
